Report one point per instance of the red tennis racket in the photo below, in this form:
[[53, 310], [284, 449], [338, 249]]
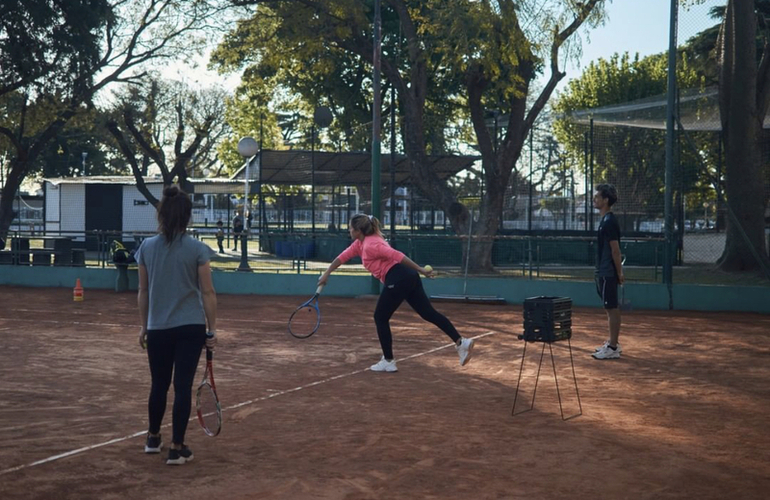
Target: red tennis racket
[[207, 401]]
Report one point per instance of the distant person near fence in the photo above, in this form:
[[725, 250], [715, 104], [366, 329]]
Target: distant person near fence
[[237, 230], [220, 236]]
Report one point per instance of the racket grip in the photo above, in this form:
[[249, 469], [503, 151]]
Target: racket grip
[[318, 290], [209, 337]]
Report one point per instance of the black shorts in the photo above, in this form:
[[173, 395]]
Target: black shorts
[[607, 288]]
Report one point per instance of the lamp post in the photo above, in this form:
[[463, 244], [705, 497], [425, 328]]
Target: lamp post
[[322, 118], [84, 155], [247, 148]]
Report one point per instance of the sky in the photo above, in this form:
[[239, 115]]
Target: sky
[[634, 26], [639, 26]]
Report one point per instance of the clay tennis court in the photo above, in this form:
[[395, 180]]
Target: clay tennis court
[[683, 414]]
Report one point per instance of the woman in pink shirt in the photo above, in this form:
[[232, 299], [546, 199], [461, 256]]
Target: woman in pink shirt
[[402, 282]]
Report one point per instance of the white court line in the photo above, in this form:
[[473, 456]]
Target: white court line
[[232, 407], [56, 322]]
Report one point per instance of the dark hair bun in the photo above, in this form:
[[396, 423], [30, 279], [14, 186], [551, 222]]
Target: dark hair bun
[[171, 191]]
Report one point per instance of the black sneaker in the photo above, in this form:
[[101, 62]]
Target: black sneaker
[[153, 444], [179, 457]]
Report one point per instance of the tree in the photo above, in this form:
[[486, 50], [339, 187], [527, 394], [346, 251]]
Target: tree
[[295, 77], [479, 53], [144, 114], [82, 47], [633, 157], [46, 45], [744, 99]]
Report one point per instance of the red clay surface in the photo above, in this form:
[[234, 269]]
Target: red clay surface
[[683, 414]]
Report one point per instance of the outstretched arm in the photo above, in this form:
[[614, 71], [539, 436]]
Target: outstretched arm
[[325, 276]]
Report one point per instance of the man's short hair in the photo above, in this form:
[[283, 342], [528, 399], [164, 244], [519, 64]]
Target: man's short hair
[[608, 192]]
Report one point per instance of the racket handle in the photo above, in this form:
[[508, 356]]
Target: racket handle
[[318, 290]]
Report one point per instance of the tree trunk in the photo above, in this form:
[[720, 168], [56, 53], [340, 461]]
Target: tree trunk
[[745, 198], [12, 185], [742, 112]]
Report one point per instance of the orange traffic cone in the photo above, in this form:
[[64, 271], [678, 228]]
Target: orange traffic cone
[[77, 292]]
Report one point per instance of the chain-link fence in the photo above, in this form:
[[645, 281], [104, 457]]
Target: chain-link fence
[[296, 203]]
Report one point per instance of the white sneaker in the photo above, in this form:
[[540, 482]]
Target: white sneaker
[[606, 344], [384, 366], [464, 350], [607, 353]]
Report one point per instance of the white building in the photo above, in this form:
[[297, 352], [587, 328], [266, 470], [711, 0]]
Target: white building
[[76, 205]]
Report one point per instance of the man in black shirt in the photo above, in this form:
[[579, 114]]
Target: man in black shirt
[[609, 269], [237, 230]]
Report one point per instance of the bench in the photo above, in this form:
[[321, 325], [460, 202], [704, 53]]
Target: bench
[[42, 257], [79, 257], [6, 257]]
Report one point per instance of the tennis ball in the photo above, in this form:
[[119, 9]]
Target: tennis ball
[[429, 268]]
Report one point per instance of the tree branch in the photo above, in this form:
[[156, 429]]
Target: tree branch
[[146, 146], [128, 153], [556, 75], [725, 62], [763, 73], [476, 83], [11, 137]]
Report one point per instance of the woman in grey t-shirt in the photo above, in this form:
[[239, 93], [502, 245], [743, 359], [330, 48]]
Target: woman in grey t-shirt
[[176, 300]]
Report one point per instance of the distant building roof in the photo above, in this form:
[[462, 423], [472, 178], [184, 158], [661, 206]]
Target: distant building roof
[[199, 186]]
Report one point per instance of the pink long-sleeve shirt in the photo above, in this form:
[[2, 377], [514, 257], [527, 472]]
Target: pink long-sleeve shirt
[[377, 256]]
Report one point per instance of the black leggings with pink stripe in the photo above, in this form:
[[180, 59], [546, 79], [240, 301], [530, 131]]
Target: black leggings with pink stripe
[[403, 283]]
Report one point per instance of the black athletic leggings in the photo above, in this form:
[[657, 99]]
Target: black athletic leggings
[[403, 283], [173, 351]]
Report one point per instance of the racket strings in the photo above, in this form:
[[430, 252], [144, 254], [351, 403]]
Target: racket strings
[[208, 408], [304, 321]]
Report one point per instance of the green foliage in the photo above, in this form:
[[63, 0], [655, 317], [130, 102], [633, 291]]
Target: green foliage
[[288, 51], [62, 156], [633, 156], [50, 46]]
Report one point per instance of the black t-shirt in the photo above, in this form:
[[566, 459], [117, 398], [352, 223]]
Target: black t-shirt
[[609, 230], [237, 224]]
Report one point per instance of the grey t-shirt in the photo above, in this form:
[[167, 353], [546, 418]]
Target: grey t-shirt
[[172, 271]]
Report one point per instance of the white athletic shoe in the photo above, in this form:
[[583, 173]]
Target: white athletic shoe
[[606, 344], [384, 366], [465, 350], [607, 353]]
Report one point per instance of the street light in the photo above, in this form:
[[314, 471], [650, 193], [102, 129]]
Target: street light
[[322, 118], [247, 148]]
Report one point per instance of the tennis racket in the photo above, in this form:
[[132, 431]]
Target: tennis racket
[[306, 319], [207, 402]]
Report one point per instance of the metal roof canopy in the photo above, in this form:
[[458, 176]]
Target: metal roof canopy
[[697, 110], [294, 167]]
